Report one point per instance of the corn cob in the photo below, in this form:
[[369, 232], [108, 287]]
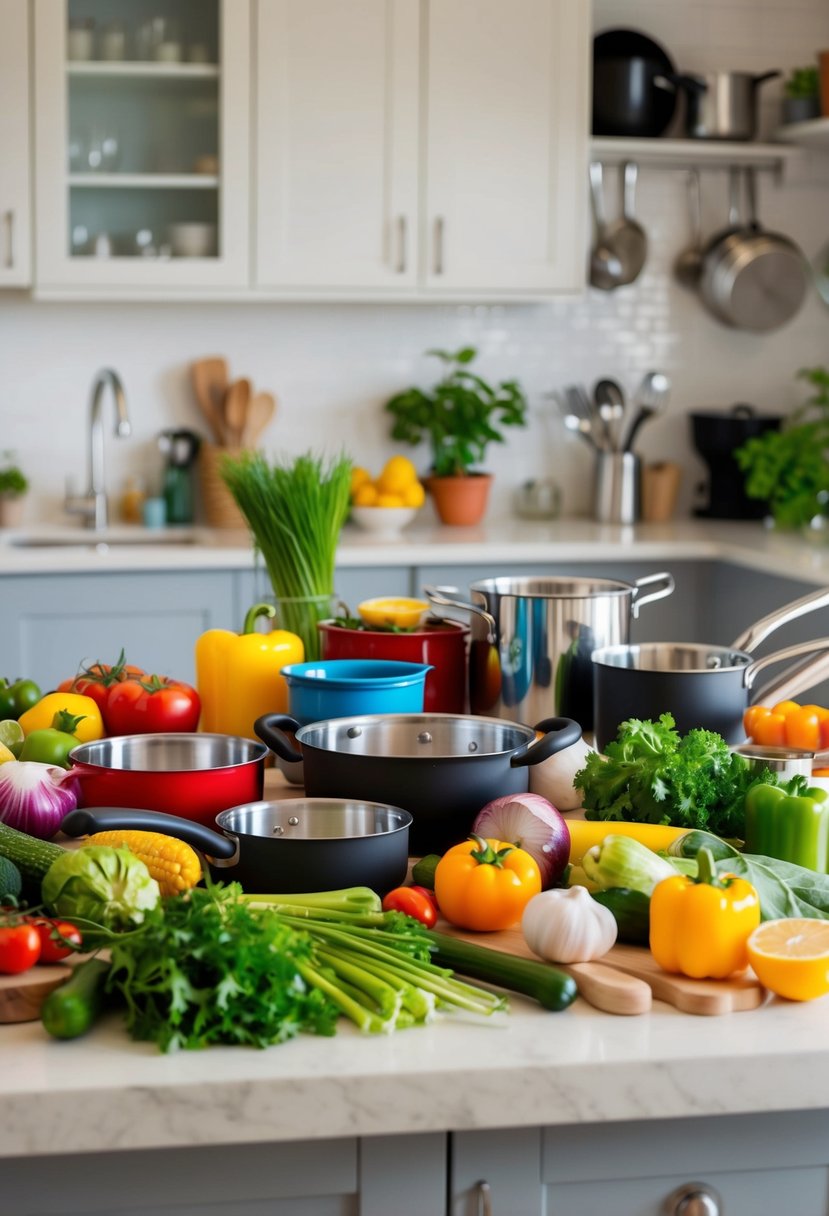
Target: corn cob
[[584, 834], [173, 864]]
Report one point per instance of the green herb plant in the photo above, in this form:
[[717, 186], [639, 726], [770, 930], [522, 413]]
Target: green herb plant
[[460, 416], [295, 512], [789, 468], [13, 482], [802, 83]]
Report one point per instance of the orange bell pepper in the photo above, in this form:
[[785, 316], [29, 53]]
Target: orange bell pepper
[[485, 884], [788, 724]]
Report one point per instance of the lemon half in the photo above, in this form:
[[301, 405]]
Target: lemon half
[[400, 613], [790, 957]]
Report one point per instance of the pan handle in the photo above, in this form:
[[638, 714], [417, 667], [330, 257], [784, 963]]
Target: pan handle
[[795, 678], [442, 597], [84, 821], [559, 733], [667, 581], [271, 729], [757, 633]]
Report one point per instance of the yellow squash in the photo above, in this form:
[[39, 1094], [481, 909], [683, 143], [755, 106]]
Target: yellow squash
[[584, 835]]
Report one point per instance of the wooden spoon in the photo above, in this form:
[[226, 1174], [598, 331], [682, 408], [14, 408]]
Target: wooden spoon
[[236, 410], [209, 380], [260, 411]]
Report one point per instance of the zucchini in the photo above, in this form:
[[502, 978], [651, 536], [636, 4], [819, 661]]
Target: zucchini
[[32, 857], [11, 882], [69, 1011], [423, 871], [631, 911], [546, 984]]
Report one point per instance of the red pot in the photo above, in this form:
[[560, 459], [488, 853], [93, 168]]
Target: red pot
[[191, 775], [443, 645]]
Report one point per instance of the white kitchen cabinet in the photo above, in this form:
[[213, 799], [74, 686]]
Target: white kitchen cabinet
[[505, 145], [142, 144], [15, 229], [337, 144]]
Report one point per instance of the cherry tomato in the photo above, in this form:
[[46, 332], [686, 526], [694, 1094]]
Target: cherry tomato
[[142, 707], [19, 947], [414, 903], [50, 933]]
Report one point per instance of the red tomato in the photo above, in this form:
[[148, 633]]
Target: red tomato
[[145, 707], [50, 933], [96, 681], [414, 903], [19, 947]]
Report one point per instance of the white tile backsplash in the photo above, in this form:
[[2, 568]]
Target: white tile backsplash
[[332, 366]]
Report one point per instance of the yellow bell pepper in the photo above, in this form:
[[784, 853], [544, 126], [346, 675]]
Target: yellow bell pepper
[[238, 676], [700, 926], [41, 716], [485, 884]]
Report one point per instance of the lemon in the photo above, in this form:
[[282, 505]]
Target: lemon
[[398, 474], [385, 499], [11, 734], [791, 957], [414, 495], [5, 754], [359, 477], [365, 495], [400, 611]]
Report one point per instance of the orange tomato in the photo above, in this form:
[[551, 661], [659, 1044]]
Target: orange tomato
[[752, 718], [785, 708], [770, 730], [803, 729]]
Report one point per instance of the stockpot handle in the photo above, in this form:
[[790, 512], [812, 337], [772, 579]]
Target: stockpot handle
[[751, 638], [795, 678], [763, 77], [559, 733], [86, 820], [442, 597], [667, 581], [271, 729]]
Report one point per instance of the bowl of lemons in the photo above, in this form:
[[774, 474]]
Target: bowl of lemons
[[386, 504]]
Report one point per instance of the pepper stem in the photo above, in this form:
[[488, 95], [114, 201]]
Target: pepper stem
[[67, 722], [485, 855], [253, 615], [706, 868]]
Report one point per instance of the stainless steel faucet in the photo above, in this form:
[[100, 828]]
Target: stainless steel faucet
[[93, 505]]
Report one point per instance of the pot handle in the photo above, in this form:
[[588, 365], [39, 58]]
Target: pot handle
[[757, 633], [763, 77], [794, 679], [271, 729], [442, 597], [85, 820], [667, 581], [559, 733]]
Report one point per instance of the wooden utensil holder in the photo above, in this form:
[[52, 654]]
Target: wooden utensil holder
[[660, 487], [220, 507]]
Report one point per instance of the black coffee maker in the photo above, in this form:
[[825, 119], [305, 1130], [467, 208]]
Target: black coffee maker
[[716, 435]]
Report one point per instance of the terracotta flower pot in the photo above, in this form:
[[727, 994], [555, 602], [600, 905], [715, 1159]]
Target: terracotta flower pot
[[11, 510], [460, 501]]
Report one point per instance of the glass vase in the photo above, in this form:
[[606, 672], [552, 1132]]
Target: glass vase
[[301, 615]]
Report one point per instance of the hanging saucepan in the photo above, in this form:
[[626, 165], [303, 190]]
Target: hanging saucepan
[[701, 685], [752, 279], [442, 767], [299, 844]]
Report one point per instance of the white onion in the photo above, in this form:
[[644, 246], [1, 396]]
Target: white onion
[[553, 777], [533, 824], [35, 797]]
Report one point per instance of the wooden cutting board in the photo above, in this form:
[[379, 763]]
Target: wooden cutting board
[[21, 996]]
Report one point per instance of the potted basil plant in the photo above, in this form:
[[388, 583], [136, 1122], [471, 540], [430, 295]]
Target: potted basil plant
[[459, 417], [801, 95], [13, 487]]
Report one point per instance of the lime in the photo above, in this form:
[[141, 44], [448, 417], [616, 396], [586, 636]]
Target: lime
[[11, 735]]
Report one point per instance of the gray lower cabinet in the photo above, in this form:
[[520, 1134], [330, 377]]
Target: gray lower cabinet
[[747, 1165]]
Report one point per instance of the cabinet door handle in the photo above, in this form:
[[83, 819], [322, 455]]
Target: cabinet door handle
[[693, 1199], [402, 242], [9, 218], [483, 1194], [439, 234]]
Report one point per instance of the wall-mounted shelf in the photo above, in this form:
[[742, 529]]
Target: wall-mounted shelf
[[144, 181], [811, 134], [687, 153], [143, 70]]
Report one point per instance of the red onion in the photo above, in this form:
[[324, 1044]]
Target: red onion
[[35, 797], [533, 824]]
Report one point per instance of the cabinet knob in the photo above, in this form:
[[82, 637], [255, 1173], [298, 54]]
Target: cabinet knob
[[483, 1195], [693, 1199]]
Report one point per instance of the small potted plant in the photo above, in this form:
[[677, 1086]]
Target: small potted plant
[[801, 95], [459, 417], [13, 487]]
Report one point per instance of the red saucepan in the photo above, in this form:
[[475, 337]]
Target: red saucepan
[[191, 775]]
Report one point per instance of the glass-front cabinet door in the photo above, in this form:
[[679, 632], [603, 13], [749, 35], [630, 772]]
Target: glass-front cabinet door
[[142, 143]]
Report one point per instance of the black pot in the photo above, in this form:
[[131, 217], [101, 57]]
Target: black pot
[[287, 847], [634, 89], [443, 768]]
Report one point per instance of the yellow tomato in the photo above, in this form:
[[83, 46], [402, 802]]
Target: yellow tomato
[[414, 495], [40, 716], [365, 495], [790, 957], [402, 612], [398, 473]]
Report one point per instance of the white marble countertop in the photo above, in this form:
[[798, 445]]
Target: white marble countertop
[[532, 1068], [495, 542]]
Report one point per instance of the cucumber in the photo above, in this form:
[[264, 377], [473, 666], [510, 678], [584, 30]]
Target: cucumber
[[11, 882], [546, 984], [631, 910], [423, 871], [31, 856], [69, 1011]]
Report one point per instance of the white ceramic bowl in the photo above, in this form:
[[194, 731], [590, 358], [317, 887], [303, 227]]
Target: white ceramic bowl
[[383, 521], [193, 240]]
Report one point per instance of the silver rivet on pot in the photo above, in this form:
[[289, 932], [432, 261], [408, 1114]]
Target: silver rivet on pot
[[425, 736], [473, 746], [354, 732], [293, 821], [277, 830]]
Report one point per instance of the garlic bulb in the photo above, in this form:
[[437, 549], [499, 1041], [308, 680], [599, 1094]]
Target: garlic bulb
[[568, 926]]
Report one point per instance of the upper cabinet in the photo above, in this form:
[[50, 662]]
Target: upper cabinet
[[422, 147], [142, 143], [15, 204]]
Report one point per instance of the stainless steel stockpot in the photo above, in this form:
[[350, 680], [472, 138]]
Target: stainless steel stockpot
[[533, 638]]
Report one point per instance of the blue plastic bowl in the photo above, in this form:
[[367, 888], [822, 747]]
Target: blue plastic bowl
[[345, 688]]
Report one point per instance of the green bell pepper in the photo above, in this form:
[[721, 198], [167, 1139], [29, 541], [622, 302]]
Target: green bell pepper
[[17, 697], [790, 827]]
